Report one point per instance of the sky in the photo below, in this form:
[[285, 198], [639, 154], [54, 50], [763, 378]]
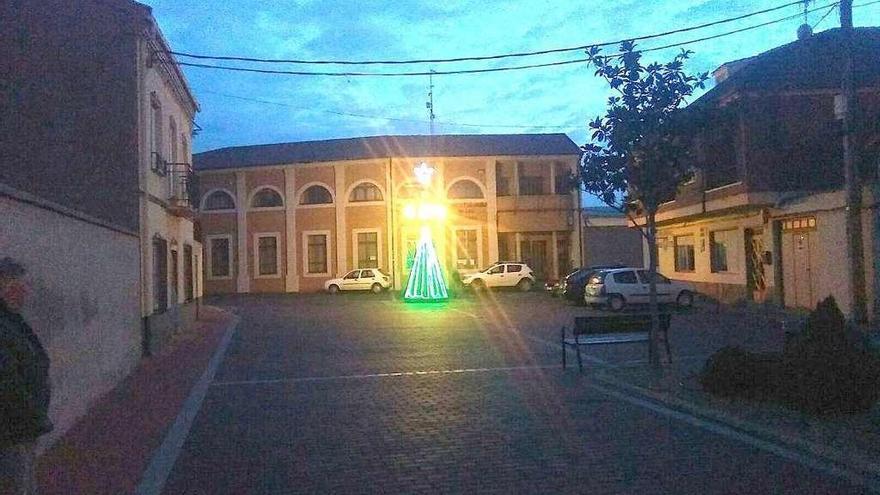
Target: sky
[[550, 99]]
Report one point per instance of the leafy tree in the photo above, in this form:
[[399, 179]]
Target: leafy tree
[[640, 149]]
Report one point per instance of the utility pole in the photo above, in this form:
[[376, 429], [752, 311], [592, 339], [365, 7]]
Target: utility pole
[[855, 250]]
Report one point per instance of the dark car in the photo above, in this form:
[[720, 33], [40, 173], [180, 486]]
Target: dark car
[[573, 284]]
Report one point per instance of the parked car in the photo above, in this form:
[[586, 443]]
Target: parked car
[[501, 274], [618, 287], [371, 279], [573, 284]]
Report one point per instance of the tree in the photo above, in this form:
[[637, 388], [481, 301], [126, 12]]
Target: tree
[[640, 148]]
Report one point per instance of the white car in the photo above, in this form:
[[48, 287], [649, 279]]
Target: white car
[[371, 279], [618, 287], [501, 274]]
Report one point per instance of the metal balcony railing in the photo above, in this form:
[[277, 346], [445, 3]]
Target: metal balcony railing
[[182, 187]]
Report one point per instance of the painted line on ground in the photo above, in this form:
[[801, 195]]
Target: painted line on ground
[[807, 459], [165, 456], [383, 375]]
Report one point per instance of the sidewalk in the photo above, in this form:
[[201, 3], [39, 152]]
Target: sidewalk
[[848, 440], [108, 450]]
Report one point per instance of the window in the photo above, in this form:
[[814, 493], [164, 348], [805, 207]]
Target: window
[[160, 275], [267, 254], [645, 278], [267, 198], [316, 195], [220, 257], [496, 270], [219, 201], [367, 274], [157, 160], [563, 184], [175, 279], [720, 244], [531, 186], [352, 275], [465, 189], [684, 253], [172, 132], [187, 272], [628, 277], [365, 192], [466, 249], [368, 249], [514, 268], [316, 249]]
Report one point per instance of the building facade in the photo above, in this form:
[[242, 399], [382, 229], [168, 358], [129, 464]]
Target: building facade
[[97, 124], [287, 217], [609, 239], [763, 218]]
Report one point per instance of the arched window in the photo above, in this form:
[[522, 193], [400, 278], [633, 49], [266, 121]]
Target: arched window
[[266, 198], [365, 192], [316, 195], [219, 200], [465, 189]]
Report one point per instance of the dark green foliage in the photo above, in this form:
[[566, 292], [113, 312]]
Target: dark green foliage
[[734, 372], [820, 372]]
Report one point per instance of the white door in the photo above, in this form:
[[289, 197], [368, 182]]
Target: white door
[[512, 275], [495, 276], [665, 290], [627, 284], [350, 280], [366, 279]]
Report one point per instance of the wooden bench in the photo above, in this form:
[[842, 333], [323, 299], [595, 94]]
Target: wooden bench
[[613, 329]]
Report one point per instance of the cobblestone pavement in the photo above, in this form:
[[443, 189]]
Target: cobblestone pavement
[[361, 393]]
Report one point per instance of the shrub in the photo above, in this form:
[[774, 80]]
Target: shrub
[[734, 372], [824, 372]]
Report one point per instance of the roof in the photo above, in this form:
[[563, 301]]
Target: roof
[[812, 63], [386, 147], [602, 211]]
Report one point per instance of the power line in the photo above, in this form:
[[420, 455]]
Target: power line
[[497, 69], [485, 57], [376, 117]]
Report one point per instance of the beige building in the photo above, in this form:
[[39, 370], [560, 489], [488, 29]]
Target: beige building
[[94, 188], [287, 217], [764, 216]]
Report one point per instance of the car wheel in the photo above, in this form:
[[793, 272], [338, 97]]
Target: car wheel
[[478, 285], [524, 285], [685, 299], [333, 289], [616, 302], [376, 288]]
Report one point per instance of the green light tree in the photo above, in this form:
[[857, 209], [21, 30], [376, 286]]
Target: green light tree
[[639, 151]]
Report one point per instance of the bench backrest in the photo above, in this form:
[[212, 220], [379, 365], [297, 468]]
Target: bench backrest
[[591, 325]]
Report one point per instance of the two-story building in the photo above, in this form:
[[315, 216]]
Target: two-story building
[[96, 123], [764, 215], [286, 217]]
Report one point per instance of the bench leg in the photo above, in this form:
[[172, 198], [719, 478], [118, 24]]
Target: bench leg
[[562, 342], [580, 362]]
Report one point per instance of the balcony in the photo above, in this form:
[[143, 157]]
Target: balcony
[[183, 189]]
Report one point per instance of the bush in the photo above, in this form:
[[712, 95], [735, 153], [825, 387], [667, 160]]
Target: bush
[[824, 371], [733, 372], [820, 371]]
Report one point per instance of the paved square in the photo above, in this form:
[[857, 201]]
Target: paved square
[[361, 393]]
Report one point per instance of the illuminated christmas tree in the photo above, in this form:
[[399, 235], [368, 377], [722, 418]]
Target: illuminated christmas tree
[[426, 282]]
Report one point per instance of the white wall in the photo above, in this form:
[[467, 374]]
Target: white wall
[[84, 302]]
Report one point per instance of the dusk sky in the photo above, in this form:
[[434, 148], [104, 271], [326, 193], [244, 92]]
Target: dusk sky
[[551, 99]]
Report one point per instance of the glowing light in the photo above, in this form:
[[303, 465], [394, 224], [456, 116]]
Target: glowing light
[[424, 173]]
